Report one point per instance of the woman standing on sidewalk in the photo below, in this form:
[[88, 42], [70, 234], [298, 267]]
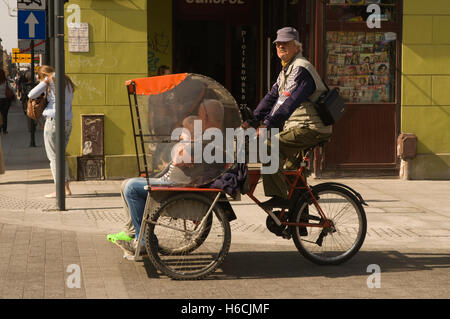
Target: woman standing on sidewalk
[[47, 86]]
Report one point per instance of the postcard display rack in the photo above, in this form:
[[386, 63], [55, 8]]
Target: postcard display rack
[[361, 62]]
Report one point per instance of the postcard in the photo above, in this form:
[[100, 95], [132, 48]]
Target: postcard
[[332, 58], [341, 59], [363, 69], [346, 48], [367, 48], [381, 69], [333, 81], [350, 70], [370, 37]]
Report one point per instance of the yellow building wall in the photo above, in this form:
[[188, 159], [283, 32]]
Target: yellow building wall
[[426, 86], [117, 52]]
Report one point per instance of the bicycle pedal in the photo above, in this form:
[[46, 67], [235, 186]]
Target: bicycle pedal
[[286, 234], [319, 240]]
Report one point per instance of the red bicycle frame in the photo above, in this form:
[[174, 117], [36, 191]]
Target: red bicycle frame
[[281, 220]]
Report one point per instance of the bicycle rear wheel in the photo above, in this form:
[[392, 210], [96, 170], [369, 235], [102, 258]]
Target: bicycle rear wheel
[[184, 243], [337, 243]]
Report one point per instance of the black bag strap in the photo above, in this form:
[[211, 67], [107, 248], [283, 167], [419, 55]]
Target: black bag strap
[[324, 83]]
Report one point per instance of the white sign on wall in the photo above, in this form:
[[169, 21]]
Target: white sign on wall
[[78, 34]]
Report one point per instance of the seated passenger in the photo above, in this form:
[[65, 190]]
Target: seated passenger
[[134, 194]]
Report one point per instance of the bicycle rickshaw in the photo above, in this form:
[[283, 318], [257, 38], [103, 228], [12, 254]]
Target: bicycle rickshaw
[[186, 223]]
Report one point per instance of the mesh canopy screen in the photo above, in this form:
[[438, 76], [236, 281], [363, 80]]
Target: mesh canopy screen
[[183, 118]]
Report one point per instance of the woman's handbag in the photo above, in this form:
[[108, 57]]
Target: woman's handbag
[[35, 107], [9, 94]]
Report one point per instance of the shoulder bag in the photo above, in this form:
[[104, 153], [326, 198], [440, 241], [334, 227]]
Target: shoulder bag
[[35, 107], [330, 106]]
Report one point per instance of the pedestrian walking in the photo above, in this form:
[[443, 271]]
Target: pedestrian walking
[[46, 86], [26, 84], [7, 96]]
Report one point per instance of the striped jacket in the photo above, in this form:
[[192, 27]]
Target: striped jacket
[[287, 103]]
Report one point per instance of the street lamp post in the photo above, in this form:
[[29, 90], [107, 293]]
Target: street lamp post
[[60, 103]]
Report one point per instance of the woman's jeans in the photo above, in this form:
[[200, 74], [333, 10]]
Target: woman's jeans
[[135, 196], [50, 144]]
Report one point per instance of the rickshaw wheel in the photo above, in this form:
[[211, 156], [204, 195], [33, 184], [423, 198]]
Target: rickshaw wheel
[[191, 244], [182, 242]]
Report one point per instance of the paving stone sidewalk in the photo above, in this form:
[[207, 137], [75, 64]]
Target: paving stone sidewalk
[[40, 247]]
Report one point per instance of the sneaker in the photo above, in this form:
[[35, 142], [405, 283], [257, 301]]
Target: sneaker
[[275, 202], [166, 177], [119, 236], [129, 247]]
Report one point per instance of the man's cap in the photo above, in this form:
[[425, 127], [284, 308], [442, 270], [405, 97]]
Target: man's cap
[[286, 34]]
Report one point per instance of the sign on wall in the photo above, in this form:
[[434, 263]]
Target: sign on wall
[[78, 37]]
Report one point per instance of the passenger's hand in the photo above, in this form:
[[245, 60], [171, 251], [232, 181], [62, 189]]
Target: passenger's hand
[[245, 125]]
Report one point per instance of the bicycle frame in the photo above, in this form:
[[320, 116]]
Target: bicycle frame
[[254, 178]]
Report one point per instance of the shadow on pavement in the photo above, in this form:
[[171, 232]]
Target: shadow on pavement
[[257, 265]]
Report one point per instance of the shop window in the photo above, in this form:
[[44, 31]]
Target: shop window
[[360, 60], [362, 65]]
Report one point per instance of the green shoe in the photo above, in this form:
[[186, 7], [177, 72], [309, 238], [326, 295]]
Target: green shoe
[[119, 236]]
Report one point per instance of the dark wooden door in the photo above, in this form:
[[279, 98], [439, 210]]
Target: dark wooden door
[[278, 14], [220, 40], [364, 138], [364, 63]]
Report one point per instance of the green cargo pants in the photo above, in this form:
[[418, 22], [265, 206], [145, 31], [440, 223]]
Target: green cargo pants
[[291, 144]]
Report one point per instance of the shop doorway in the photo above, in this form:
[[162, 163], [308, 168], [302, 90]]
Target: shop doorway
[[200, 48], [220, 39], [286, 13]]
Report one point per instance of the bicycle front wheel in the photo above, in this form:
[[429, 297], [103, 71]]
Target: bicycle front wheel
[[185, 243], [348, 225]]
